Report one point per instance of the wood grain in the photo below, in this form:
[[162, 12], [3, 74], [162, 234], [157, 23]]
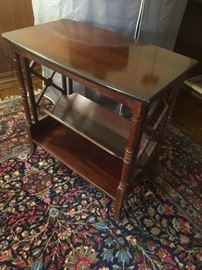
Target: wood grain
[[85, 158], [138, 70], [96, 123], [14, 14]]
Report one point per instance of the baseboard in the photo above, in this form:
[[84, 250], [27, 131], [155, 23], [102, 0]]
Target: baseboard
[[7, 79]]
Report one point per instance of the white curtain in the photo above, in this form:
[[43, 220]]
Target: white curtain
[[154, 21], [115, 15], [161, 21]]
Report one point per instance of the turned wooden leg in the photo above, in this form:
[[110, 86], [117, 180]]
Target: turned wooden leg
[[30, 90], [122, 188], [129, 158], [24, 101]]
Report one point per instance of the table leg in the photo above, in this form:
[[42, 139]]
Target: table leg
[[24, 101], [30, 90], [129, 158]]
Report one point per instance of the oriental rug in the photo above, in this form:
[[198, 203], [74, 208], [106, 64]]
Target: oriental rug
[[50, 218], [13, 138]]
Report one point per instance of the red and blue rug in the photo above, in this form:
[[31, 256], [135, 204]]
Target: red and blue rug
[[50, 218]]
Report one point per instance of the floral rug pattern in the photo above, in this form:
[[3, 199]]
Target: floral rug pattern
[[180, 175], [50, 218], [13, 139], [12, 129]]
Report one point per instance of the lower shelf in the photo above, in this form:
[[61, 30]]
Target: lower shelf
[[88, 160]]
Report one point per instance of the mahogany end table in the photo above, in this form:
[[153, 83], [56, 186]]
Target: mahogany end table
[[107, 149]]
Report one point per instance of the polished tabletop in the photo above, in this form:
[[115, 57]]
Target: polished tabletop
[[119, 63]]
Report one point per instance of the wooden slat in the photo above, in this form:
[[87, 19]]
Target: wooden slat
[[147, 154]]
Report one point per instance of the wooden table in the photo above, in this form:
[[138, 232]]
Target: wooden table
[[108, 150]]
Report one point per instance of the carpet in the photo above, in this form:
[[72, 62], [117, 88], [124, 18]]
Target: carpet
[[12, 129], [50, 218], [13, 138]]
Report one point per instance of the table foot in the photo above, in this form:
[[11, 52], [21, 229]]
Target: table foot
[[118, 203], [33, 148]]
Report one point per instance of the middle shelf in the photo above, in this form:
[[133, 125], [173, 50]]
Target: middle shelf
[[92, 121], [91, 140], [85, 158]]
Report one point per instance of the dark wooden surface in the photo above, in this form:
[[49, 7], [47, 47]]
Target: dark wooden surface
[[99, 125], [121, 64], [14, 14], [94, 164], [85, 158]]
